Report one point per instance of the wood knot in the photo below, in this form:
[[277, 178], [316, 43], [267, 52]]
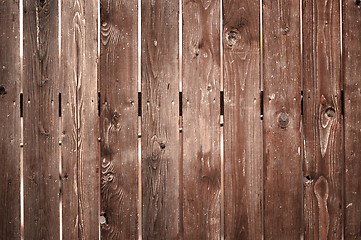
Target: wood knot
[[232, 37], [162, 145], [358, 2], [283, 120], [2, 91], [330, 112], [308, 180]]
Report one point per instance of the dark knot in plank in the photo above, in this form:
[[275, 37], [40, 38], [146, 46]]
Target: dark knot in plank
[[283, 120]]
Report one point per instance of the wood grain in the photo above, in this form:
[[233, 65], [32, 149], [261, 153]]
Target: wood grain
[[80, 150], [160, 114], [41, 123], [201, 114], [322, 120], [242, 122], [352, 116], [119, 114], [10, 121], [282, 115]]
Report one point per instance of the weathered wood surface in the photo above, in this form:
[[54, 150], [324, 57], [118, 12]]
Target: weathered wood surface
[[282, 115], [10, 121], [352, 114], [80, 130], [201, 114], [322, 120], [160, 114], [118, 120], [242, 123], [41, 122]]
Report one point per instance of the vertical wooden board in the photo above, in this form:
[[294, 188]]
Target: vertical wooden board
[[322, 120], [282, 116], [160, 114], [69, 148], [242, 123], [41, 156], [80, 168], [201, 114], [352, 115], [10, 120], [119, 114]]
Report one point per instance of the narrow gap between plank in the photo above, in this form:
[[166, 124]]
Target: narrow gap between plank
[[139, 88], [261, 43], [139, 205], [343, 173], [301, 118], [180, 121], [99, 112], [59, 105], [21, 105], [21, 52], [139, 104], [261, 111], [221, 118], [221, 95], [60, 129], [301, 103], [261, 104], [99, 104], [60, 175]]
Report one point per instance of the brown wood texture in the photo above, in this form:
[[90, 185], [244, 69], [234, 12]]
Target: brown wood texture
[[322, 120], [119, 116], [160, 115], [201, 115], [242, 123], [281, 124], [41, 121], [10, 121], [80, 130], [352, 115]]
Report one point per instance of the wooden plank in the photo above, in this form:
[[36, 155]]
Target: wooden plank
[[10, 121], [322, 120], [119, 114], [282, 115], [41, 150], [160, 115], [352, 115], [201, 114], [80, 131], [242, 123]]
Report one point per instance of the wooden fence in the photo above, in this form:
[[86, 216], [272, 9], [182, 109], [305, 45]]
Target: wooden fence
[[124, 119]]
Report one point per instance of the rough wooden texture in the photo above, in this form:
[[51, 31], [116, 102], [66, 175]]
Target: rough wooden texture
[[119, 114], [242, 123], [201, 129], [160, 110], [282, 115], [80, 153], [10, 121], [322, 120], [41, 122], [352, 114]]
